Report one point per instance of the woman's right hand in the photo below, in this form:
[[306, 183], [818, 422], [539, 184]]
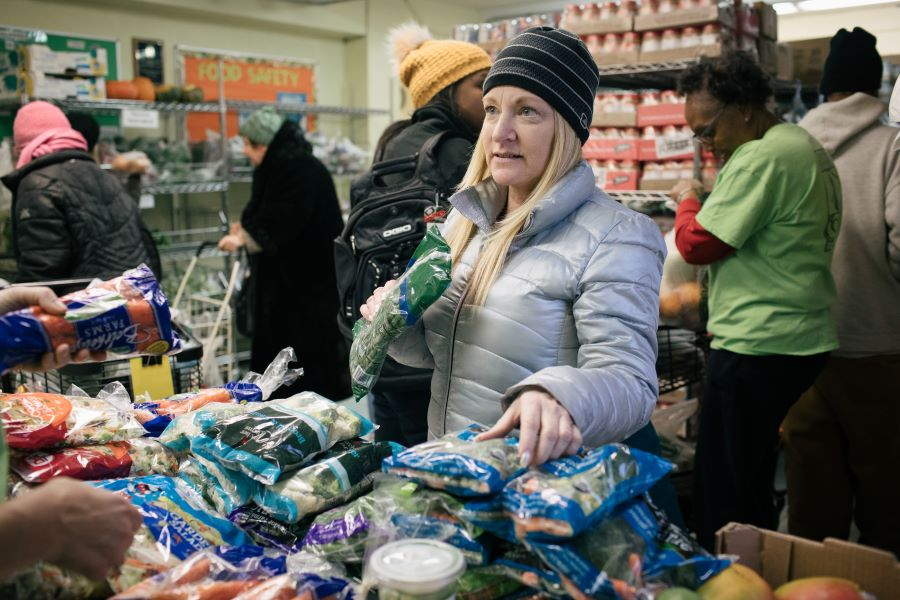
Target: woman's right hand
[[372, 305]]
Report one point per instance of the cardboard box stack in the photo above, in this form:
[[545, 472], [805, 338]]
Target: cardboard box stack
[[641, 141], [36, 71]]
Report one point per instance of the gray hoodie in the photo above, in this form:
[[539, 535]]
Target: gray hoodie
[[866, 264]]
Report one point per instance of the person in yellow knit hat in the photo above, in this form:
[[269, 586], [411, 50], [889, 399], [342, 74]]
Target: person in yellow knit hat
[[443, 79]]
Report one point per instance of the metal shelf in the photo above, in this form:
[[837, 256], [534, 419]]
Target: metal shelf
[[644, 75], [640, 196], [203, 187], [112, 106]]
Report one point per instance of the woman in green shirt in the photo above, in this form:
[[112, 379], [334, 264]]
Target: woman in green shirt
[[767, 232]]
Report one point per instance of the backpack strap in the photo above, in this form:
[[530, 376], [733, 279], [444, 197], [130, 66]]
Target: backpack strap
[[427, 155]]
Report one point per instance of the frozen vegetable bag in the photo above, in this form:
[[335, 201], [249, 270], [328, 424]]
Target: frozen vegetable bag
[[125, 315], [426, 278]]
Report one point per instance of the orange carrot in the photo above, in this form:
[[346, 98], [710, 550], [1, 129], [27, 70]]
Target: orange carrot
[[141, 314]]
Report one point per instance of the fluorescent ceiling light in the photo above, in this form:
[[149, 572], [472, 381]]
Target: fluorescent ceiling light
[[787, 8]]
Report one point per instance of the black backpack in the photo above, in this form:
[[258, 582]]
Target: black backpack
[[386, 223]]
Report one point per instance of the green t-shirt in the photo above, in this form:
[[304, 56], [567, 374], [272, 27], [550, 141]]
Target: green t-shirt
[[778, 202]]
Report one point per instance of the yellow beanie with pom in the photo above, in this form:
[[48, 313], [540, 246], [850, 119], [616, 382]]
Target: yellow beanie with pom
[[426, 66]]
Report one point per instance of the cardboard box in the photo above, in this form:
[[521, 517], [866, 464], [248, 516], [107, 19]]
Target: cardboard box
[[661, 56], [749, 20], [610, 25], [616, 58], [684, 17], [611, 149], [38, 85], [768, 55], [614, 119], [784, 56], [809, 59], [618, 181], [768, 20], [658, 185], [780, 558], [655, 115], [37, 58], [666, 149]]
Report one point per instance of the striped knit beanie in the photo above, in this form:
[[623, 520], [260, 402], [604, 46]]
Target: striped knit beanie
[[554, 65], [426, 66]]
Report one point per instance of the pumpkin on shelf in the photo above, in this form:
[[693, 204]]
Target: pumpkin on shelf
[[168, 93], [121, 90], [145, 89]]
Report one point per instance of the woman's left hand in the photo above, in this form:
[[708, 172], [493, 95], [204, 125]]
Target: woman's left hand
[[686, 188], [231, 243], [546, 429]]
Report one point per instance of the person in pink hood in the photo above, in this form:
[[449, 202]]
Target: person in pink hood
[[70, 220]]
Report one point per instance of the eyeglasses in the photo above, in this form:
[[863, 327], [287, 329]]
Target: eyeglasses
[[709, 132]]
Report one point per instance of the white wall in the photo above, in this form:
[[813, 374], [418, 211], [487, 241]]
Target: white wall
[[882, 21]]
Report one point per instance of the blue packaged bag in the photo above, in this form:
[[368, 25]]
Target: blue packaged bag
[[279, 437], [339, 475], [456, 463], [635, 547], [562, 498]]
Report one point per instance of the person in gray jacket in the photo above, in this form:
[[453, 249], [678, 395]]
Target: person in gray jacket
[[841, 443], [549, 323]]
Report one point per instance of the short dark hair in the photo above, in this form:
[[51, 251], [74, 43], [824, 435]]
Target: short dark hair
[[734, 78], [87, 126]]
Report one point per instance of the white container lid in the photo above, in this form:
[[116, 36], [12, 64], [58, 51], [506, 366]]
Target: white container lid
[[416, 566]]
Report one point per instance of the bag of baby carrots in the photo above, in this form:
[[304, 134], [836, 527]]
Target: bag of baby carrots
[[126, 315]]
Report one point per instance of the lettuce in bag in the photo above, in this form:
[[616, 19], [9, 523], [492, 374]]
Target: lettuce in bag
[[634, 547], [225, 489], [341, 474], [133, 458], [37, 420], [269, 532], [176, 525], [279, 437], [456, 463], [155, 416], [426, 278], [564, 497], [126, 315]]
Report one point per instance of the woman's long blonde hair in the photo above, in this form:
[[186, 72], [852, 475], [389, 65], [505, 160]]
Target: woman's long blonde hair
[[565, 154]]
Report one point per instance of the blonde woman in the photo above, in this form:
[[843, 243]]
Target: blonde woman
[[549, 324]]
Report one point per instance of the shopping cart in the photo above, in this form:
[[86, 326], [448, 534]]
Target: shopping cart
[[208, 316]]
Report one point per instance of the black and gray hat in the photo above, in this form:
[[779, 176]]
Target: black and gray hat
[[555, 65]]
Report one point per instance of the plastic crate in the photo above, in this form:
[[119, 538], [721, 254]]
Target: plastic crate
[[93, 377], [681, 360]]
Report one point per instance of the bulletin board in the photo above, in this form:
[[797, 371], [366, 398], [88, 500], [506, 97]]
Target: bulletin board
[[10, 37], [253, 78]]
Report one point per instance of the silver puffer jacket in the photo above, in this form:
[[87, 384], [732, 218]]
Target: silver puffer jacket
[[574, 311]]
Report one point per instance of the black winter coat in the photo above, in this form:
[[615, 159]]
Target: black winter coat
[[71, 220], [453, 156], [294, 215]]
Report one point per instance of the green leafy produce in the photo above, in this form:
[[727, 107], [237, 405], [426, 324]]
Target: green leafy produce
[[425, 280], [342, 473]]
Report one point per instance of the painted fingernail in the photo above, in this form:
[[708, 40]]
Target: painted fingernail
[[525, 459]]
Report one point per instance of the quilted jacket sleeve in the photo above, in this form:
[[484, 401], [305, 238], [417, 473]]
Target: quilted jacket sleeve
[[43, 239], [410, 348], [612, 391]]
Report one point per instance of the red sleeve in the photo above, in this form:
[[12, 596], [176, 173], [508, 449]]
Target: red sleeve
[[697, 245]]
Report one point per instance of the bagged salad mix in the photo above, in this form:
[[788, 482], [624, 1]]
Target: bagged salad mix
[[340, 474], [635, 547], [223, 488], [178, 434], [176, 525], [38, 420], [279, 437], [426, 278], [268, 531], [395, 509], [562, 498], [155, 416], [456, 463], [125, 315], [133, 458], [242, 572]]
